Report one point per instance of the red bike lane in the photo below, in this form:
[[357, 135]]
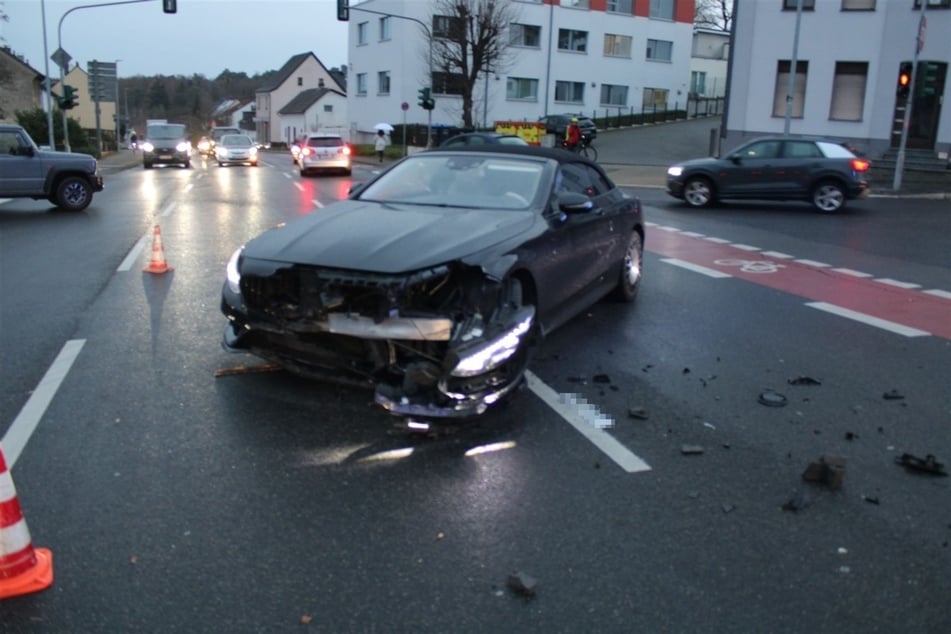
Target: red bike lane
[[880, 302]]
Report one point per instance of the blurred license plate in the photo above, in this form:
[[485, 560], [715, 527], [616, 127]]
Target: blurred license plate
[[165, 156]]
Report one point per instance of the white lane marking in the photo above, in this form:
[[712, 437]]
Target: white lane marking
[[692, 234], [745, 247], [598, 437], [317, 203], [189, 187], [852, 272], [897, 284], [134, 254], [29, 417], [937, 292], [671, 229], [818, 265], [298, 186], [716, 240], [778, 255], [696, 268], [869, 320], [169, 208], [287, 175], [5, 200]]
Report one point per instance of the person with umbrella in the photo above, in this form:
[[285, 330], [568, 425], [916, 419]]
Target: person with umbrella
[[380, 143]]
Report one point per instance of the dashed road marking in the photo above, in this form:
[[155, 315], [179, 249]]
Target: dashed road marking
[[696, 268], [896, 283], [869, 320]]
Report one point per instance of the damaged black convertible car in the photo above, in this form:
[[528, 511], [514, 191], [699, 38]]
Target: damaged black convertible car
[[432, 283]]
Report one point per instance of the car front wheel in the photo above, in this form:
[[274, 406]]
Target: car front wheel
[[631, 273], [73, 194], [698, 192], [828, 197]]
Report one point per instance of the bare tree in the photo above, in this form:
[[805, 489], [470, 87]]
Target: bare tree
[[469, 38], [714, 14]]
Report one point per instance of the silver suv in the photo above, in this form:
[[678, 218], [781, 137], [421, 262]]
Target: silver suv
[[66, 179], [324, 151]]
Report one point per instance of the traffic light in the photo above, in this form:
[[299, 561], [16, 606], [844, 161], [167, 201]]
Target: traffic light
[[169, 6], [904, 79], [68, 100], [343, 10], [424, 98]]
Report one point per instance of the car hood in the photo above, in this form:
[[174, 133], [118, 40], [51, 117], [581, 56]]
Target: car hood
[[52, 155], [709, 162], [375, 237]]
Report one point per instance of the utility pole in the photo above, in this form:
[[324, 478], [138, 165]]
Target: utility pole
[[792, 70], [910, 99]]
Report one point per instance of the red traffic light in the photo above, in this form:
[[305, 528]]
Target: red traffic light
[[904, 79]]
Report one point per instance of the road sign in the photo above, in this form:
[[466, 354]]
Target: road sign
[[404, 106], [61, 58], [102, 81]]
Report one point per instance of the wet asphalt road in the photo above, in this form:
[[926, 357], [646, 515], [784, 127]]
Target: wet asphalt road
[[175, 500]]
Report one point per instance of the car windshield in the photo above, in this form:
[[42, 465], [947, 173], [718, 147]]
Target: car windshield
[[167, 131], [236, 140], [461, 180], [326, 141], [217, 134], [512, 140]]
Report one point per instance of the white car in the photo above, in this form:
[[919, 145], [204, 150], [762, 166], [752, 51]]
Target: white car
[[325, 151], [236, 148]]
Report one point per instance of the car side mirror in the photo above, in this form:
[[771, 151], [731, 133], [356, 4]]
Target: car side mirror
[[574, 203], [735, 158]]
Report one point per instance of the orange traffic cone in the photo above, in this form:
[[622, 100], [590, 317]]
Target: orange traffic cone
[[158, 263], [23, 569]]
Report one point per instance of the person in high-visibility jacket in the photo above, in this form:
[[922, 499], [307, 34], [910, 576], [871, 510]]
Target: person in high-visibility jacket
[[572, 135]]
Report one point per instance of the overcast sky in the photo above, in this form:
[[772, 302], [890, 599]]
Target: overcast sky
[[204, 37]]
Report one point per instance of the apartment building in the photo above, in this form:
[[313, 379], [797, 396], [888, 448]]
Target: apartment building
[[562, 56], [848, 60]]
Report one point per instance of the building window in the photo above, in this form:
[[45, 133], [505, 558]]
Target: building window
[[858, 5], [698, 83], [617, 45], [807, 5], [447, 83], [300, 81], [362, 29], [571, 40], [660, 50], [328, 107], [448, 26], [569, 91], [526, 35], [935, 4], [621, 6], [848, 91], [521, 88], [782, 88], [383, 82], [663, 9], [384, 28], [613, 95], [576, 4], [361, 83], [654, 98]]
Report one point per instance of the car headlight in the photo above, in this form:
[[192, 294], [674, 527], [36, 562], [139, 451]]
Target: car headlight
[[253, 151], [232, 274], [147, 147], [183, 147], [494, 352], [675, 170]]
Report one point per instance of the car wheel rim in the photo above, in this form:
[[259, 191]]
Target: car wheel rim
[[632, 264], [697, 193], [75, 194], [829, 198]]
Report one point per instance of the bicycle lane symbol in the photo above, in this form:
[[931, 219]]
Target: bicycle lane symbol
[[752, 266]]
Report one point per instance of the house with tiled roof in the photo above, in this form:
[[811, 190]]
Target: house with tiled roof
[[301, 73], [21, 86], [316, 110]]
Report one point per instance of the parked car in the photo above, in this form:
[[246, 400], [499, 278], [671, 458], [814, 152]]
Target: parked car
[[66, 179], [557, 124], [433, 282], [324, 152], [236, 148], [166, 144], [483, 138], [774, 168]]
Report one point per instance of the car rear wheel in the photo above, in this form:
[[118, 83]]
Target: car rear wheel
[[147, 166], [632, 264], [828, 197], [73, 194], [698, 192]]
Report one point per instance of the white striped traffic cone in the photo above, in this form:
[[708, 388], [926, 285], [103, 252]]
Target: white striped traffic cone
[[23, 569]]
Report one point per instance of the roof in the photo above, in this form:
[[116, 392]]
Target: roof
[[557, 154], [288, 69], [306, 99], [9, 52]]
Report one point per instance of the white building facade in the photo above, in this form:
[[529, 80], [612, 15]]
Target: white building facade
[[579, 56], [848, 60]]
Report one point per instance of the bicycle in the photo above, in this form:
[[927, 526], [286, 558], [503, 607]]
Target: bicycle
[[584, 148]]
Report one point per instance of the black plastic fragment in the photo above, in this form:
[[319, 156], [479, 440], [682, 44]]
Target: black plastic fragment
[[893, 395], [770, 398], [927, 465], [601, 378], [523, 584], [804, 380]]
